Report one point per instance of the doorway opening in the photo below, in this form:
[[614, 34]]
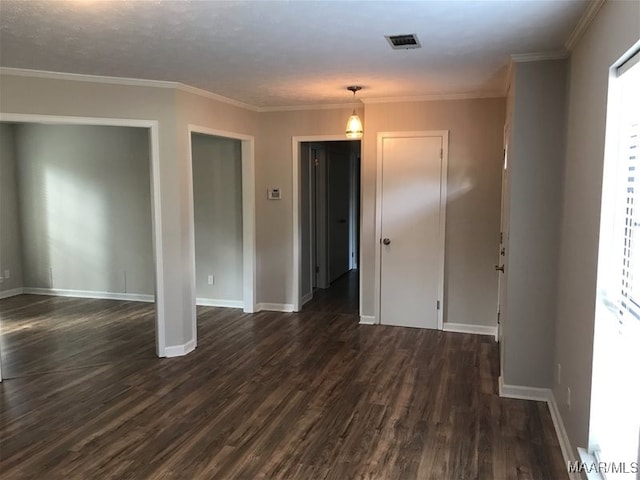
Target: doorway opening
[[222, 219], [82, 223], [327, 224]]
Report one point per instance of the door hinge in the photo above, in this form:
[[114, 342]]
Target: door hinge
[[441, 153], [317, 269], [501, 237], [438, 305]]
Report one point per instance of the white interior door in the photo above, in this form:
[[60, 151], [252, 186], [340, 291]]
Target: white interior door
[[411, 230]]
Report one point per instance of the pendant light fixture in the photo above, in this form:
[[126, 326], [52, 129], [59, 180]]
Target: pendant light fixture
[[354, 125]]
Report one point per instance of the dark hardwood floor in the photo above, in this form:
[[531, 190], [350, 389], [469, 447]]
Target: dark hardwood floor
[[265, 396], [341, 297]]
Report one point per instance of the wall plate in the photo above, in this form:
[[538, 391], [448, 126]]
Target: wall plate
[[274, 194]]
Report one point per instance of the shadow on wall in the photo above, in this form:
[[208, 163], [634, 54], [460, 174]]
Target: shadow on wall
[[85, 208]]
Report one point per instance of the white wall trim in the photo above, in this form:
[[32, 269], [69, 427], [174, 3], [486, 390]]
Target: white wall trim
[[468, 328], [156, 197], [180, 350], [561, 432], [63, 292], [543, 395], [326, 106], [522, 392], [132, 82], [539, 56], [139, 82], [247, 146], [11, 293], [367, 320], [584, 22], [275, 307], [296, 274], [444, 135], [307, 298], [213, 302], [436, 97]]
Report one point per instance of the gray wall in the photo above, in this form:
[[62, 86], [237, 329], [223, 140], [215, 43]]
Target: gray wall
[[85, 208], [615, 29], [473, 204], [536, 151], [217, 194], [10, 241]]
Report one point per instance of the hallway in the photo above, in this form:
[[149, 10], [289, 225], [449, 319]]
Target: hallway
[[340, 297]]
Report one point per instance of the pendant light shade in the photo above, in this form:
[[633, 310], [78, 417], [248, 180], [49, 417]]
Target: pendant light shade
[[354, 125]]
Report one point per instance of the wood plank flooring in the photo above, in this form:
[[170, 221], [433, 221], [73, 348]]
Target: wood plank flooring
[[303, 396]]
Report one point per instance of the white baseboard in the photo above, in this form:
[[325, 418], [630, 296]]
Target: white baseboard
[[543, 395], [523, 393], [58, 292], [367, 320], [467, 328], [307, 298], [275, 307], [213, 302], [179, 350], [11, 293], [561, 432]]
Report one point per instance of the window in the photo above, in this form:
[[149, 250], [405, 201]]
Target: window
[[614, 428]]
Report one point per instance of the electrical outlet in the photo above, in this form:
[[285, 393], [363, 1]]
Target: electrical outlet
[[568, 397], [559, 375], [210, 279], [7, 274]]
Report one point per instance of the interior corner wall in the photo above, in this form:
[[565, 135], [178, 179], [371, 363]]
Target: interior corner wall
[[274, 218], [10, 239], [473, 205], [536, 155], [197, 110], [217, 198], [85, 208], [43, 96], [614, 30]]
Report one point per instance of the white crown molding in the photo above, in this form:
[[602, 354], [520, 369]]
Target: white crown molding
[[132, 82], [587, 17], [293, 108], [539, 56], [507, 80], [138, 82], [78, 77], [214, 96], [434, 97]]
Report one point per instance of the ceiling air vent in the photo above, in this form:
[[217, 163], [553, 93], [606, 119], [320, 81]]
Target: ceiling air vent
[[403, 42]]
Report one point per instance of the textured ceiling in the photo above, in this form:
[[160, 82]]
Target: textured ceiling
[[275, 53]]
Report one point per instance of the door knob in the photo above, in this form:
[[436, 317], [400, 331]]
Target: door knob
[[499, 268], [386, 241]]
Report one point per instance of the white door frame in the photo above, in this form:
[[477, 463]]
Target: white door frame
[[247, 149], [154, 141], [444, 135], [296, 274]]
